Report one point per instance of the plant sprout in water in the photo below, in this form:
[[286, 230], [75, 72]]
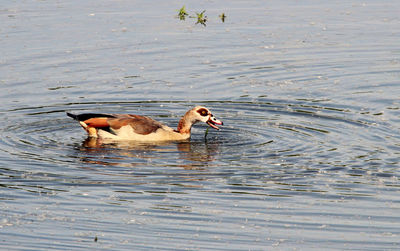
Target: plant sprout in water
[[222, 16], [182, 13], [206, 133], [201, 18]]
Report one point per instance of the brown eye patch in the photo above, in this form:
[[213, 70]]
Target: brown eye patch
[[203, 112]]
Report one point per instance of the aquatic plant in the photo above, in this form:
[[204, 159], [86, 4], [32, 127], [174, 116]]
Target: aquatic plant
[[201, 18], [206, 133], [222, 16], [182, 13]]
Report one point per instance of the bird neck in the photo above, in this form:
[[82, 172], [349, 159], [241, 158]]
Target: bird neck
[[185, 124]]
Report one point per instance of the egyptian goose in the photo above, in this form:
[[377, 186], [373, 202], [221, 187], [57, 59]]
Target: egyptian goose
[[141, 128]]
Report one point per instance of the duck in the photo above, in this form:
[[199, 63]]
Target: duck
[[142, 128]]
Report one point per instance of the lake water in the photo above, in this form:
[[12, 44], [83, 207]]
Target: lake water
[[308, 158]]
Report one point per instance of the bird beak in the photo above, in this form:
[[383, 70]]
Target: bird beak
[[213, 122]]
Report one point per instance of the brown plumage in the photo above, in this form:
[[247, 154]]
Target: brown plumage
[[142, 128]]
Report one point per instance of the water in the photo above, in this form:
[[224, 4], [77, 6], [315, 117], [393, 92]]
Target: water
[[308, 158]]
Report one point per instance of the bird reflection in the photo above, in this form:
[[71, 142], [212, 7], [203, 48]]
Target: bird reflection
[[186, 154]]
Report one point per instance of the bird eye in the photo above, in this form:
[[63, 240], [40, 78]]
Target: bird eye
[[203, 112]]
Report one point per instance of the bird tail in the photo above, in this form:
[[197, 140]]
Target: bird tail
[[74, 116], [86, 116]]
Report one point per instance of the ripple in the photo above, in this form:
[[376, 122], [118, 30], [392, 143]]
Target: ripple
[[266, 148], [266, 129], [308, 156]]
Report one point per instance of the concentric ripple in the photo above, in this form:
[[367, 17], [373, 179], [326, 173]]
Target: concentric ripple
[[301, 136]]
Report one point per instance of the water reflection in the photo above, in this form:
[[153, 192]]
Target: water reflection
[[187, 154]]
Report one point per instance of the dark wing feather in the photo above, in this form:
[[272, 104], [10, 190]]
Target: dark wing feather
[[86, 116]]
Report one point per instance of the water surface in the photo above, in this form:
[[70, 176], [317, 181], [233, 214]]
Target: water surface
[[308, 158]]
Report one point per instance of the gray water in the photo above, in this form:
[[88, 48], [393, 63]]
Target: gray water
[[308, 158]]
